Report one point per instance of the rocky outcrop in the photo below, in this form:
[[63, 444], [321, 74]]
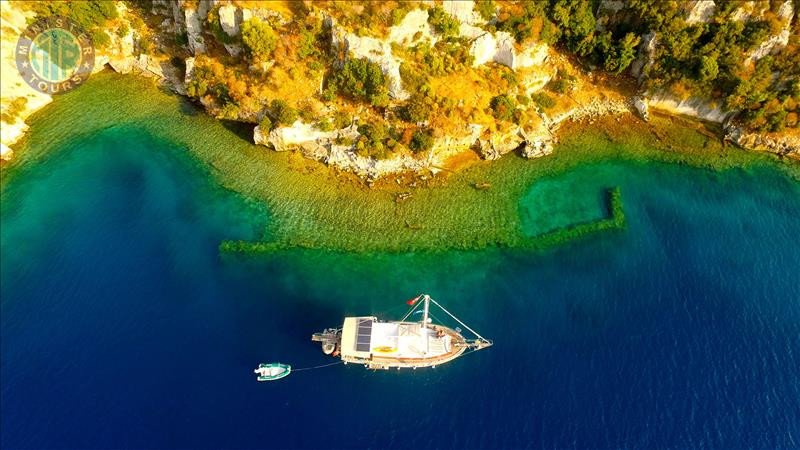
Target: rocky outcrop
[[376, 50], [463, 10], [700, 11], [788, 146], [196, 42], [227, 19], [644, 59], [412, 29], [641, 107], [779, 40], [692, 106]]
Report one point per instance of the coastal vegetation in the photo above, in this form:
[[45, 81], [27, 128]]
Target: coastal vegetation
[[300, 55], [94, 16]]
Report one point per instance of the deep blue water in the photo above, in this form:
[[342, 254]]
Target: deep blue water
[[122, 326]]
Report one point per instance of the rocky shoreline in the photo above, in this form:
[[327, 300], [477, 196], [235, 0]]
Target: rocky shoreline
[[337, 148]]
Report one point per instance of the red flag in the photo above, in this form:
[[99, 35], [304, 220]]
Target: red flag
[[413, 300]]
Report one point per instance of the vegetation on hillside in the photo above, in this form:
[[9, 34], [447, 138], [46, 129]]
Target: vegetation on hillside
[[91, 15]]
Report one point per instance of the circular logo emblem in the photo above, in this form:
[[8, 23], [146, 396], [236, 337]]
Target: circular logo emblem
[[54, 55]]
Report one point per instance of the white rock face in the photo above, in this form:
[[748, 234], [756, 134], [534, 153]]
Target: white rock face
[[641, 106], [13, 86], [499, 47], [463, 10], [693, 107], [645, 57], [786, 11], [778, 41], [375, 50], [194, 31], [233, 49], [414, 24], [189, 73], [701, 11], [299, 134], [227, 20]]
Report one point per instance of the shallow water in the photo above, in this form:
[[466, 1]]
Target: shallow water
[[123, 326]]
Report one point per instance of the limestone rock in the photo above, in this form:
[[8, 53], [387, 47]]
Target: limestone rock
[[227, 20], [189, 71], [694, 107], [700, 11], [641, 106], [498, 144], [412, 29], [463, 10], [785, 145], [194, 31], [376, 50]]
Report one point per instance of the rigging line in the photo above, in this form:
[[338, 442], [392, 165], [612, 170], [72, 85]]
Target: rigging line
[[317, 367], [457, 320]]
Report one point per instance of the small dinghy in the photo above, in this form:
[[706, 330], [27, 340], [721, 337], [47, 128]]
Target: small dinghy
[[272, 371]]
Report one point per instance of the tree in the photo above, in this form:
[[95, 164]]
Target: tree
[[362, 80], [543, 100], [708, 69], [443, 23], [623, 54], [486, 8], [503, 107], [418, 108], [577, 24], [421, 141], [282, 113], [259, 38]]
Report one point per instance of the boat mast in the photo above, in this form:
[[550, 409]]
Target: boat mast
[[425, 322], [425, 311]]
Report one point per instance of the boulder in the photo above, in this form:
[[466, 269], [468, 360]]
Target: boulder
[[641, 107], [227, 20], [700, 11], [498, 144]]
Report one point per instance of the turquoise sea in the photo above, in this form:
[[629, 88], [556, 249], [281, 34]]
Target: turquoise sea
[[123, 326]]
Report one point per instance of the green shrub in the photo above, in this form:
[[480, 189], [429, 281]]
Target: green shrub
[[341, 120], [361, 79], [543, 100], [421, 141], [258, 38], [562, 83], [417, 108], [503, 107], [265, 124], [486, 8], [413, 80], [324, 125], [443, 23], [282, 113]]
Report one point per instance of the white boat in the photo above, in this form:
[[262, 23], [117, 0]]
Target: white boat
[[272, 371], [388, 344]]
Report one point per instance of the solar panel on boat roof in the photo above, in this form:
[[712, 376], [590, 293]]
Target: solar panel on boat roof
[[364, 335]]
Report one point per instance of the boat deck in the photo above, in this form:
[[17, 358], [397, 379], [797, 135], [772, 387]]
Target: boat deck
[[439, 352]]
